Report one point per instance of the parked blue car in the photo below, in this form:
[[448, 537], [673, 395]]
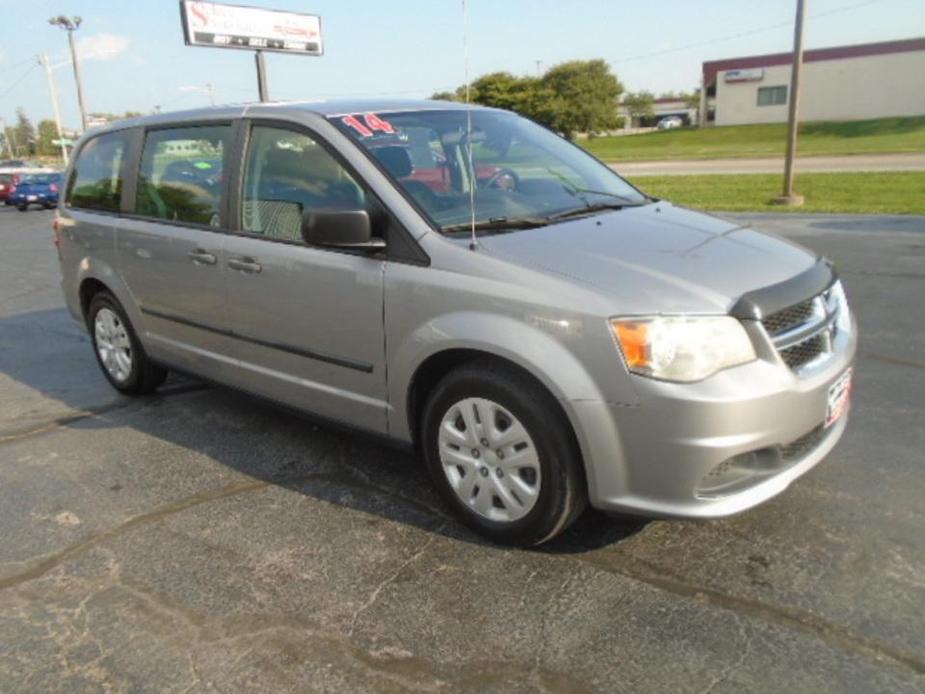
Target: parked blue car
[[37, 189]]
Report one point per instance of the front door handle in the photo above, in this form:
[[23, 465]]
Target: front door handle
[[201, 257], [245, 265]]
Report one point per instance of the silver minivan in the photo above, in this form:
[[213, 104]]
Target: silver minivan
[[466, 283]]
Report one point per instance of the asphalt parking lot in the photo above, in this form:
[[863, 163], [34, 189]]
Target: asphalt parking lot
[[199, 540]]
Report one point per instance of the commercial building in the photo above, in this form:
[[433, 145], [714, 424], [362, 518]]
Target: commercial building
[[871, 80]]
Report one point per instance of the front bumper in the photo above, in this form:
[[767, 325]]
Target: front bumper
[[656, 458]]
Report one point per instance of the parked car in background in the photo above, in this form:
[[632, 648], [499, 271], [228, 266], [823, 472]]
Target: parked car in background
[[545, 336], [670, 123], [37, 189], [12, 171], [8, 182]]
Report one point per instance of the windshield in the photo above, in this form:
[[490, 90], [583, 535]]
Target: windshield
[[520, 175]]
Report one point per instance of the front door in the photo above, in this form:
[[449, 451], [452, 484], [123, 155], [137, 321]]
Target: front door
[[308, 321]]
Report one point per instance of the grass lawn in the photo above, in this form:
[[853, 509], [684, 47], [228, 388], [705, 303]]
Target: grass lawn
[[878, 136], [860, 193]]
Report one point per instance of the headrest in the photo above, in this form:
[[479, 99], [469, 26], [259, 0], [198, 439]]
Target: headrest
[[395, 159]]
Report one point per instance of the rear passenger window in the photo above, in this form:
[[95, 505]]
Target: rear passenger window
[[182, 174], [96, 183], [288, 173]]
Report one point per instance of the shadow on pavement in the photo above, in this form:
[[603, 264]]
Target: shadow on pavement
[[45, 351]]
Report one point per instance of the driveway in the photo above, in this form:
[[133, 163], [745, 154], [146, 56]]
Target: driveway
[[859, 162], [199, 540]]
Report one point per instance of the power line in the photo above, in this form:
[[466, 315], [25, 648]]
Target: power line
[[16, 83], [740, 35]]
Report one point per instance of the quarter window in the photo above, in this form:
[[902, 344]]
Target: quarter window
[[182, 174], [96, 183], [772, 96], [287, 174]]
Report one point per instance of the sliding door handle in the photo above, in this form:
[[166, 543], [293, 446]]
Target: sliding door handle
[[245, 265], [201, 257]]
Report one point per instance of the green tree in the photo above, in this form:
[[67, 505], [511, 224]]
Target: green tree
[[24, 134], [584, 96], [639, 105], [47, 134], [445, 96]]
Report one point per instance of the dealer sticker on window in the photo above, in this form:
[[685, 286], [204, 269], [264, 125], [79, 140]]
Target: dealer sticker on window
[[838, 398]]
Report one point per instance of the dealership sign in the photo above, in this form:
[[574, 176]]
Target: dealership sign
[[233, 26], [754, 75]]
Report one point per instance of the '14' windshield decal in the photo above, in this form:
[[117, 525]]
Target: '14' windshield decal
[[373, 122]]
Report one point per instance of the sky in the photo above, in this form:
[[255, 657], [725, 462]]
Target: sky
[[134, 57]]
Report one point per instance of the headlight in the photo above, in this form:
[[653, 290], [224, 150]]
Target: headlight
[[839, 302], [680, 348]]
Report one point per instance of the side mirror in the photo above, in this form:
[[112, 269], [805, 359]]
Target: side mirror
[[348, 229]]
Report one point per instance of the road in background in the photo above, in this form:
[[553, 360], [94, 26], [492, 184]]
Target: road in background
[[859, 162], [198, 539]]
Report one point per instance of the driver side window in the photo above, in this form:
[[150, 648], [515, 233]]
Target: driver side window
[[287, 174]]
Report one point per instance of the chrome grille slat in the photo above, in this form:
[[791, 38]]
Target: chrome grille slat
[[803, 333]]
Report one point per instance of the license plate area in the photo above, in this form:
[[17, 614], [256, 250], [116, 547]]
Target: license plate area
[[838, 399]]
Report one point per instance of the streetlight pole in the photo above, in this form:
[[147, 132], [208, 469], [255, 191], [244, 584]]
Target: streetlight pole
[[789, 197], [43, 61], [70, 25]]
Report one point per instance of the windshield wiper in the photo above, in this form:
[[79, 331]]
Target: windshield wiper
[[588, 209], [497, 224]]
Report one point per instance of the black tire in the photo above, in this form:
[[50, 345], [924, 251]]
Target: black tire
[[145, 376], [22, 208], [563, 489]]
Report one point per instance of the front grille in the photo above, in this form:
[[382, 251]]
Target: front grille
[[803, 446], [804, 352], [788, 318], [803, 333]]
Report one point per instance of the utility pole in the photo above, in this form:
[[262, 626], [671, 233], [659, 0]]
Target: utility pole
[[6, 138], [789, 197], [70, 25], [539, 67], [702, 106], [43, 61]]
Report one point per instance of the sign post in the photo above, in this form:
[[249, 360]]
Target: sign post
[[214, 25]]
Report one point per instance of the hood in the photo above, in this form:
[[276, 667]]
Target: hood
[[657, 258]]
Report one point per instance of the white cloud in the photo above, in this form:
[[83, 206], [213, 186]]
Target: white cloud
[[101, 46]]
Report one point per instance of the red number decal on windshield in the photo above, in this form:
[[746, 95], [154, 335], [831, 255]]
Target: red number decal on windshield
[[376, 123], [352, 122]]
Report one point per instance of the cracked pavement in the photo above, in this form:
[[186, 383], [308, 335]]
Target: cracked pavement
[[199, 540]]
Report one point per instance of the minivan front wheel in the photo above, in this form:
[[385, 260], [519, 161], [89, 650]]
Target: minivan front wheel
[[118, 351], [501, 453]]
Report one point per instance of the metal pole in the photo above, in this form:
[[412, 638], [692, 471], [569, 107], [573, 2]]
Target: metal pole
[[702, 106], [11, 134], [211, 89], [80, 91], [261, 76], [789, 197], [43, 60], [6, 138]]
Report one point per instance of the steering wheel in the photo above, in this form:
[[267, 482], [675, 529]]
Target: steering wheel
[[503, 179]]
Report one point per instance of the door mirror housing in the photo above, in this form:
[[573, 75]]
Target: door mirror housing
[[348, 229]]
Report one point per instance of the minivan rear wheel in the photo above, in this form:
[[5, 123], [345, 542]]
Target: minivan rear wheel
[[118, 351], [501, 453]]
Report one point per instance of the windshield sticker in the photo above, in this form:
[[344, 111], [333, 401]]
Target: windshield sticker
[[352, 122], [373, 123]]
